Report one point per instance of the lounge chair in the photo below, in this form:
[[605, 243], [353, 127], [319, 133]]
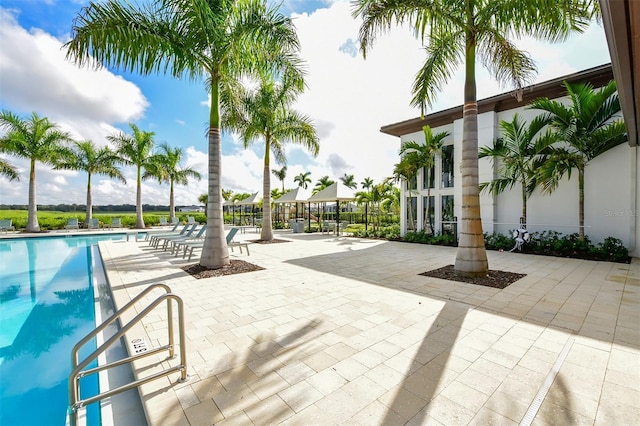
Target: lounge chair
[[191, 219], [115, 223], [93, 224], [155, 237], [72, 224], [190, 246], [5, 225], [150, 234], [163, 221], [166, 239], [173, 241]]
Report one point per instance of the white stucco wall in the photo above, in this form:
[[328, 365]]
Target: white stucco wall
[[611, 190]]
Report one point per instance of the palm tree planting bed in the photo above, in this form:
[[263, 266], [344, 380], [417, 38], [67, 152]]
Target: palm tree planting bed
[[235, 267], [495, 279]]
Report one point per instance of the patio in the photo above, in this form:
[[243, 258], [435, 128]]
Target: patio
[[345, 331]]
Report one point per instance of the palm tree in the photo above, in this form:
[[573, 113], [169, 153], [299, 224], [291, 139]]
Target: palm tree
[[425, 158], [36, 139], [218, 41], [349, 181], [281, 175], [520, 153], [135, 150], [582, 130], [458, 32], [406, 171], [323, 182], [367, 183], [166, 168], [303, 179], [87, 157], [7, 170], [265, 113]]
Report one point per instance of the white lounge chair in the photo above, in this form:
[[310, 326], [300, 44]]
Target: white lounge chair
[[93, 224]]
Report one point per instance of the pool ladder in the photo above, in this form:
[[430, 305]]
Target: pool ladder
[[78, 368]]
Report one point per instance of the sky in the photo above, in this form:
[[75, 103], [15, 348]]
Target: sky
[[348, 98]]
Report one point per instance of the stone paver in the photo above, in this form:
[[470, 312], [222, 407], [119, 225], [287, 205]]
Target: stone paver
[[345, 331]]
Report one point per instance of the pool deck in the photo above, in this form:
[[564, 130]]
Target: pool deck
[[343, 331]]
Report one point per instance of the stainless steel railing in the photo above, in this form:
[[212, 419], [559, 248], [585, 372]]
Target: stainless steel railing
[[78, 368]]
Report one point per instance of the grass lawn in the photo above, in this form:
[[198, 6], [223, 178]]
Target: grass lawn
[[50, 220]]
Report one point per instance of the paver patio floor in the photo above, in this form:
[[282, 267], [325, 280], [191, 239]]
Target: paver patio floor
[[338, 331]]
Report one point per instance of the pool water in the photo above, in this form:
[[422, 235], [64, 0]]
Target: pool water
[[46, 307]]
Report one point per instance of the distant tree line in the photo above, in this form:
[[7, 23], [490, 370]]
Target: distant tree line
[[82, 207]]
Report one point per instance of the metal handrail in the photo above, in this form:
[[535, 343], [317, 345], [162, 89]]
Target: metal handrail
[[78, 368]]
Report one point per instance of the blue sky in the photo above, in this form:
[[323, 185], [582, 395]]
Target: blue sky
[[348, 98]]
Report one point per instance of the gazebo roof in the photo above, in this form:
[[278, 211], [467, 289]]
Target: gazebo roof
[[296, 195], [255, 198], [335, 192]]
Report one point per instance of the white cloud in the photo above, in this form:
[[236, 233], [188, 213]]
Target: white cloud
[[348, 98]]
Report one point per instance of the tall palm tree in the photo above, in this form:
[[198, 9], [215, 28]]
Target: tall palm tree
[[303, 179], [166, 167], [281, 175], [425, 158], [459, 32], [217, 41], [135, 150], [8, 170], [36, 139], [87, 157], [367, 183], [349, 181], [582, 130], [264, 113], [518, 153], [323, 182]]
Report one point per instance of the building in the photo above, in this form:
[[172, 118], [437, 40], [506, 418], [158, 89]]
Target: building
[[191, 209], [611, 189]]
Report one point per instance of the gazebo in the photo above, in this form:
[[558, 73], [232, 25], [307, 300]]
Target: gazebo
[[253, 200], [296, 195], [335, 192]]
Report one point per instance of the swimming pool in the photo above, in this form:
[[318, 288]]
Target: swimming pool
[[46, 306]]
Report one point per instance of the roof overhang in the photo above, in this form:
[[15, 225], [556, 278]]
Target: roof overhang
[[597, 76], [621, 21]]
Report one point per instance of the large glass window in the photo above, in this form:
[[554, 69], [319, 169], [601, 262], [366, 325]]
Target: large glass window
[[428, 177], [428, 213], [448, 219], [412, 184], [447, 208], [447, 166], [412, 213]]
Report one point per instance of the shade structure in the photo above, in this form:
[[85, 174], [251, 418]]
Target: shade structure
[[255, 198], [297, 195], [334, 192]]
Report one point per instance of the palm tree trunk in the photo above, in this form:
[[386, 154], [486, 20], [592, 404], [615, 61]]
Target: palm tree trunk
[[32, 219], [215, 253], [581, 202], [266, 234], [471, 257], [139, 219], [87, 216], [524, 204], [172, 206]]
